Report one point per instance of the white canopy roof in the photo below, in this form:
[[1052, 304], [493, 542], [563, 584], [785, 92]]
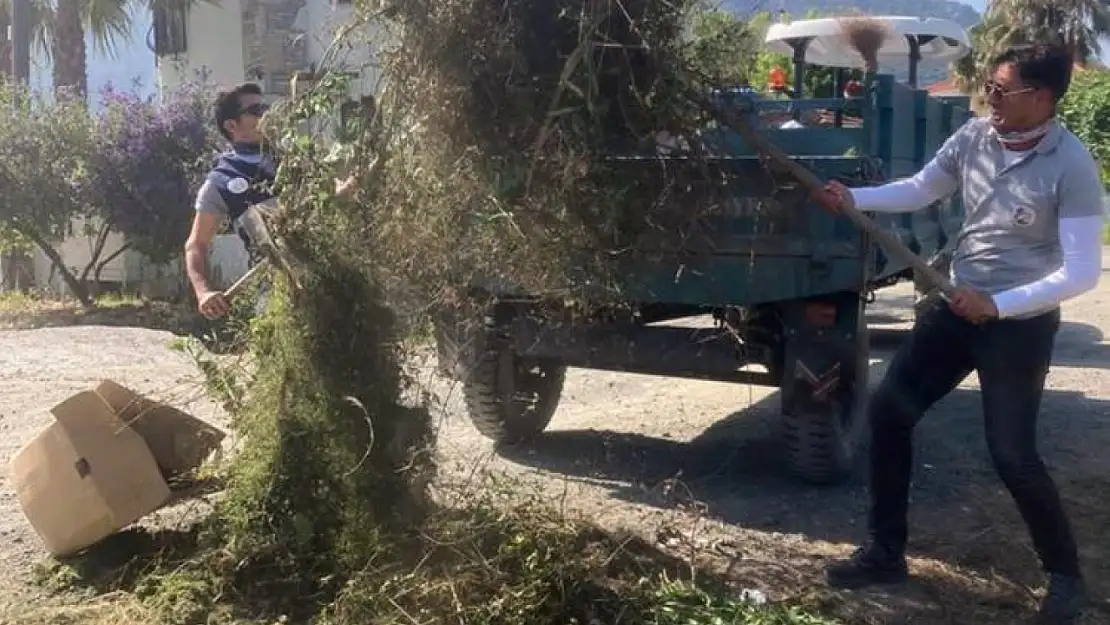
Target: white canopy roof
[[828, 47]]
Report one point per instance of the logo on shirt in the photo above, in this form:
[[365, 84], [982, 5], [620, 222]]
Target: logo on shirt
[[237, 185], [1023, 216]]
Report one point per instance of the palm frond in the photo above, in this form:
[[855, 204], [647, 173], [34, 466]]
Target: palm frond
[[108, 21]]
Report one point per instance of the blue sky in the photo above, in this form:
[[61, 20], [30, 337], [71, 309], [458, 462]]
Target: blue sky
[[133, 60]]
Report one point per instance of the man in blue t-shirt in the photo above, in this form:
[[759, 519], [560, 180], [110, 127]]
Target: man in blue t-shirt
[[240, 178]]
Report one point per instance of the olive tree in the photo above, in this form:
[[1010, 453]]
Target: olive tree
[[44, 150]]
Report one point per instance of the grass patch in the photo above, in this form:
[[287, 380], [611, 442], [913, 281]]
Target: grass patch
[[27, 311], [23, 310]]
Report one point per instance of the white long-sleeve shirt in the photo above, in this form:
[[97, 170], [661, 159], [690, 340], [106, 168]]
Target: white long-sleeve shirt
[[1005, 237]]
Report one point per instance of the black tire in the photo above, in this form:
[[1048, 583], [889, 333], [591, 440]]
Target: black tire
[[511, 400], [824, 439]]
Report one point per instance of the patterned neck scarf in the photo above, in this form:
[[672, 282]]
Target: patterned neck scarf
[[1020, 137]]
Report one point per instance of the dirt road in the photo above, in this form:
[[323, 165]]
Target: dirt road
[[618, 440], [697, 466], [39, 368]]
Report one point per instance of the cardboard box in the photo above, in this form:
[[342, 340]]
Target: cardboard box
[[105, 462]]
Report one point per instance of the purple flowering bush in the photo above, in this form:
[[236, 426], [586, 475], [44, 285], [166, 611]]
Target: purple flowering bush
[[132, 167], [147, 162]]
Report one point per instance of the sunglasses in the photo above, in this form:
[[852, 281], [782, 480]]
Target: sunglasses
[[991, 89], [257, 109]]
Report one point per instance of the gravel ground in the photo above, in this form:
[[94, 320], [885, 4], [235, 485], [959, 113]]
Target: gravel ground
[[696, 466]]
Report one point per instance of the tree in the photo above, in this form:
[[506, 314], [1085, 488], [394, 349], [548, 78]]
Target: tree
[[1078, 24], [722, 46], [59, 28], [56, 26], [1086, 112], [5, 41], [44, 147], [730, 52], [107, 20], [965, 70]]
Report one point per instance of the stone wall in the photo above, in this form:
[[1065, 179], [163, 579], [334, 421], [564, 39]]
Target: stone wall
[[273, 45]]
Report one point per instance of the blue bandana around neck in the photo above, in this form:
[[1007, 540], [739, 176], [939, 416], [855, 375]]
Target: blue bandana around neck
[[248, 152]]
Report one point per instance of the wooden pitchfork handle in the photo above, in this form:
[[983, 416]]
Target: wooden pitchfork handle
[[245, 279], [772, 152]]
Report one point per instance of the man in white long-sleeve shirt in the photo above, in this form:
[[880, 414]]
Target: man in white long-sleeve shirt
[[1030, 240]]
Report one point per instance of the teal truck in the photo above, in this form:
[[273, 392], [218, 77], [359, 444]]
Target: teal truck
[[785, 284]]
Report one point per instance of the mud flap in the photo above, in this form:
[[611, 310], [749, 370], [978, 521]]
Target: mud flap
[[820, 369], [824, 390]]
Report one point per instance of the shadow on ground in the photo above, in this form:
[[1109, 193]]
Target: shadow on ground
[[961, 514], [1077, 344]]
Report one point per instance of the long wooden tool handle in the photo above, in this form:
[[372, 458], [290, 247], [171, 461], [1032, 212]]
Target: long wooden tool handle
[[813, 183], [243, 280]]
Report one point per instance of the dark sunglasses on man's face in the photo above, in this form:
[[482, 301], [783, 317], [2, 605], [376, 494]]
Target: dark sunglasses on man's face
[[992, 89], [257, 109]]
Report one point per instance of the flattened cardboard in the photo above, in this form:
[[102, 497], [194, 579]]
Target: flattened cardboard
[[88, 474]]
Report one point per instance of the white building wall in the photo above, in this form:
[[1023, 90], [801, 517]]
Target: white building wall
[[136, 274], [320, 21], [214, 48], [266, 41]]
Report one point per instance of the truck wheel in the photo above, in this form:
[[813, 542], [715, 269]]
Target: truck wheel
[[825, 392], [511, 400]]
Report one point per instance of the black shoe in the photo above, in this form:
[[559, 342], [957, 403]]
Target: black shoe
[[1064, 602], [873, 564]]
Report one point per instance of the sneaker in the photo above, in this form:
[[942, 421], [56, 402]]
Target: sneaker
[[1064, 602], [873, 564]]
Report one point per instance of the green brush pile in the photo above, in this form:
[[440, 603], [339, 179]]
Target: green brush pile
[[510, 125]]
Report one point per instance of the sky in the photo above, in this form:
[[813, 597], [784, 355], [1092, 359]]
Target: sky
[[133, 60]]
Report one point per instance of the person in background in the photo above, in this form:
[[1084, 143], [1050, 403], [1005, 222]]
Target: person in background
[[240, 178], [1030, 240], [776, 80]]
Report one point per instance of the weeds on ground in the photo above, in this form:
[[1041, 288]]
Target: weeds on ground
[[28, 310], [31, 303], [503, 558]]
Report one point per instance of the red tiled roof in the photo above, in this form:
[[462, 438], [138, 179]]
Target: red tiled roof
[[944, 86]]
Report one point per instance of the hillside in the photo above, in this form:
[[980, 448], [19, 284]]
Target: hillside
[[958, 12]]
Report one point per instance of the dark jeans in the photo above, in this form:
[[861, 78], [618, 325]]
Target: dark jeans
[[1012, 358]]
